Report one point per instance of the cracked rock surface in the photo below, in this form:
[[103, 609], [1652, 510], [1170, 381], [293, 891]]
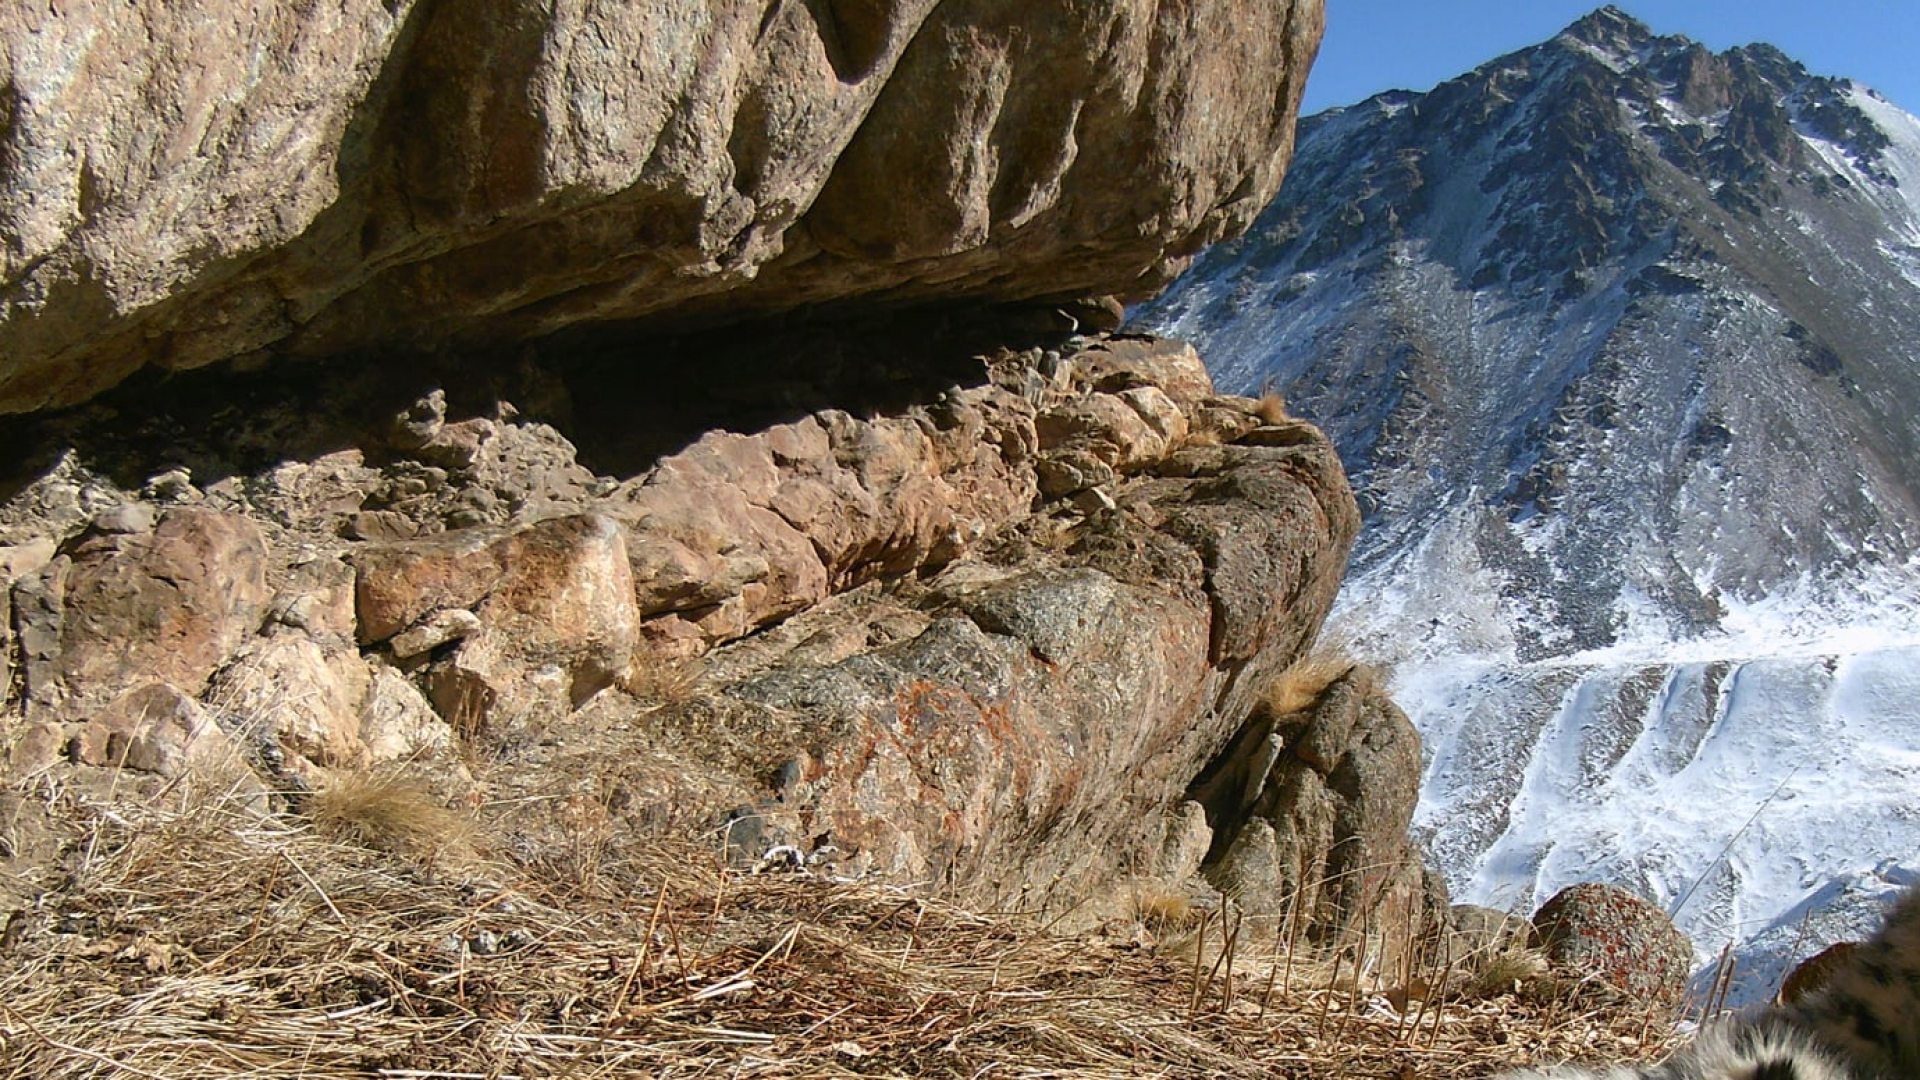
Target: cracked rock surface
[[183, 185], [865, 629]]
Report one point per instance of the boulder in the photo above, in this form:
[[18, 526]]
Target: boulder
[[16, 561], [181, 187], [35, 747], [904, 650], [1625, 942], [1113, 429], [397, 722], [168, 604], [737, 531], [544, 616], [295, 704], [1259, 587], [157, 729], [315, 597], [1024, 721], [1311, 811], [399, 586]]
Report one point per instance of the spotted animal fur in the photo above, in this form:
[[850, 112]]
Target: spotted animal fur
[[1863, 1025]]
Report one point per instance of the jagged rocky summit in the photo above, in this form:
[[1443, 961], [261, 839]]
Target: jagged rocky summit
[[661, 419], [1615, 335]]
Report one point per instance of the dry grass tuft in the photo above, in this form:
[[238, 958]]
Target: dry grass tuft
[[196, 940], [1163, 911], [1509, 971], [391, 812], [1298, 688], [1272, 408]]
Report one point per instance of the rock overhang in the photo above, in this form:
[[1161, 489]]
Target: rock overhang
[[409, 177]]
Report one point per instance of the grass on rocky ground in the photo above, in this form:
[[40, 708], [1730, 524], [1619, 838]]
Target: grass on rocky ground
[[190, 937]]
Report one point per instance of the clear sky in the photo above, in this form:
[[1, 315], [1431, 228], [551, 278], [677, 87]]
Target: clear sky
[[1375, 45]]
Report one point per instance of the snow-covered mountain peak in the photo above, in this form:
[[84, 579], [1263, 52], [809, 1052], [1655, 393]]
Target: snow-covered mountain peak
[[1620, 340]]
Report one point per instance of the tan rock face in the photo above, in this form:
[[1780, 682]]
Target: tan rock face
[[180, 185], [1316, 807], [165, 605], [1023, 715], [905, 644], [148, 147], [297, 704], [397, 723], [544, 617], [737, 531], [157, 729]]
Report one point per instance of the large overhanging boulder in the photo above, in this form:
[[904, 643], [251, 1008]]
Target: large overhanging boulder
[[182, 184]]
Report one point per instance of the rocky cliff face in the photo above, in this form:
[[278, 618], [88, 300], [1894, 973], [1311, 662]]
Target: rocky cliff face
[[180, 187], [987, 640], [965, 594]]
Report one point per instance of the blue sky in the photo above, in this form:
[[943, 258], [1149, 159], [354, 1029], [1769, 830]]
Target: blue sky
[[1375, 45]]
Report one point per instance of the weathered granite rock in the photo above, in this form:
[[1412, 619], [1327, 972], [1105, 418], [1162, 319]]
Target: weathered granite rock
[[983, 638], [904, 647], [397, 722], [1021, 721], [551, 617], [157, 729], [739, 530], [295, 703], [115, 608], [1622, 940], [16, 561], [1311, 812], [179, 186], [35, 746], [316, 598]]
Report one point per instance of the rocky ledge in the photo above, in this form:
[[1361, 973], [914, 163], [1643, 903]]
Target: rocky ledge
[[988, 640]]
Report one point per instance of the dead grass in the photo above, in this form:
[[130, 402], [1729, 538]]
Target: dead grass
[[1508, 971], [1299, 687], [1272, 408], [195, 939], [392, 812]]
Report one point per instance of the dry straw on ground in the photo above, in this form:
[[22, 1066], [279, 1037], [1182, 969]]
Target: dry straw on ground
[[392, 812], [196, 940]]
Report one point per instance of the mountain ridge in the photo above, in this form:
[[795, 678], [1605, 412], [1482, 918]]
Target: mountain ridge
[[1614, 335], [1588, 232]]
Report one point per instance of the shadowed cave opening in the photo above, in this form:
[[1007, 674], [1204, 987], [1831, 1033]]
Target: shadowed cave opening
[[625, 396]]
